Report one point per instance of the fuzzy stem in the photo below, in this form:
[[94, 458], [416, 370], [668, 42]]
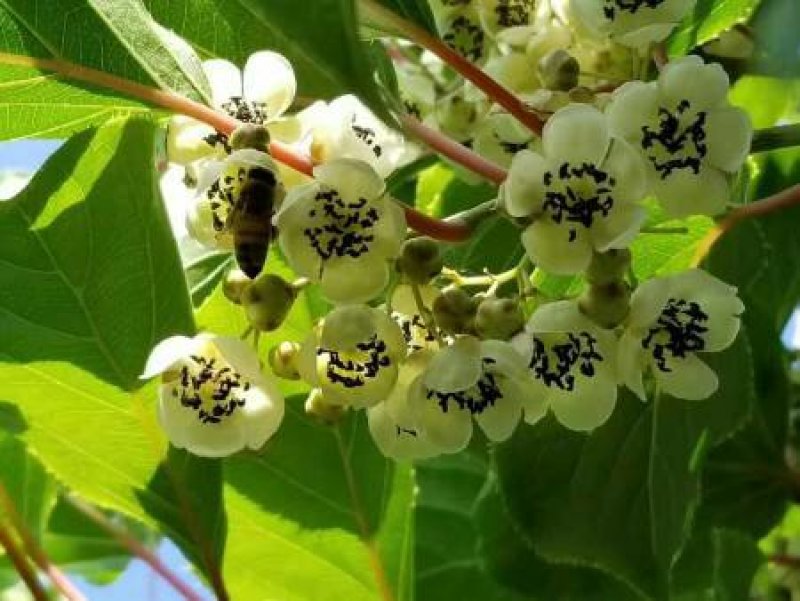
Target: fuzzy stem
[[782, 200], [486, 84], [134, 546], [36, 552], [21, 563], [430, 226], [454, 151], [773, 138]]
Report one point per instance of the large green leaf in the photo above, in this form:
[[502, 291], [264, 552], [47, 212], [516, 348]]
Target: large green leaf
[[320, 38], [312, 514], [416, 11], [623, 498], [708, 20], [117, 36], [91, 281], [31, 490]]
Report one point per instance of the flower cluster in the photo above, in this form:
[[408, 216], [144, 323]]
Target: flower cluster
[[404, 339]]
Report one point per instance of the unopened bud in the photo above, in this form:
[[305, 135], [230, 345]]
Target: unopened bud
[[608, 267], [316, 406], [499, 318], [267, 301], [454, 311], [606, 304], [283, 360], [250, 135], [559, 70], [420, 260], [234, 285]]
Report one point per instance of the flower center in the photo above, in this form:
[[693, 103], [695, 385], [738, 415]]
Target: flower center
[[214, 392], [475, 399], [465, 37], [415, 332], [368, 136], [555, 364], [340, 228], [242, 110], [611, 7], [222, 195], [354, 370], [678, 142], [679, 330], [513, 13], [578, 195]]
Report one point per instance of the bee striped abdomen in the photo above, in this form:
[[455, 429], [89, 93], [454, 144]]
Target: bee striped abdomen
[[252, 220]]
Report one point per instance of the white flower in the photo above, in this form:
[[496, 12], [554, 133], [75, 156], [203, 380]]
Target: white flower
[[341, 231], [634, 23], [353, 356], [499, 137], [470, 378], [347, 129], [393, 424], [260, 95], [208, 215], [572, 365], [672, 320], [690, 136], [461, 29], [499, 15], [581, 191], [214, 399], [407, 315]]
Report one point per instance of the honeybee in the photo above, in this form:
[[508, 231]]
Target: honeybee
[[250, 219]]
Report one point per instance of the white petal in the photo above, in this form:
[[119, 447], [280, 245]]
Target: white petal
[[687, 78], [587, 407], [690, 379], [225, 80], [549, 247], [353, 179], [351, 280], [348, 326], [683, 193], [723, 322], [560, 316], [307, 360], [288, 130], [239, 355], [456, 367], [449, 431], [642, 37], [396, 439], [618, 228], [499, 421], [647, 302], [269, 78], [532, 396], [632, 106], [523, 191], [625, 165], [390, 229], [186, 140], [167, 353], [576, 133], [263, 410], [505, 359], [729, 134]]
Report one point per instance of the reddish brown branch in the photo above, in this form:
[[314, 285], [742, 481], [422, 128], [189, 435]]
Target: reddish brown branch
[[21, 564]]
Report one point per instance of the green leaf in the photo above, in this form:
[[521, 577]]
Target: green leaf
[[91, 281], [707, 21], [116, 36], [204, 273], [309, 515], [323, 46], [622, 498], [31, 490], [416, 11], [766, 99]]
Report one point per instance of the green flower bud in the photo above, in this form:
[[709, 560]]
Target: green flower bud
[[606, 304], [420, 260], [234, 285], [499, 318], [559, 70], [609, 267], [454, 311], [317, 407], [282, 360], [267, 301], [250, 135]]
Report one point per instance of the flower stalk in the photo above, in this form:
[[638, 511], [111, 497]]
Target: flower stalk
[[21, 563]]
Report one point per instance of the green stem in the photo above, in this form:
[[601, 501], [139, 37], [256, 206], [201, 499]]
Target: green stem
[[772, 138], [383, 16]]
